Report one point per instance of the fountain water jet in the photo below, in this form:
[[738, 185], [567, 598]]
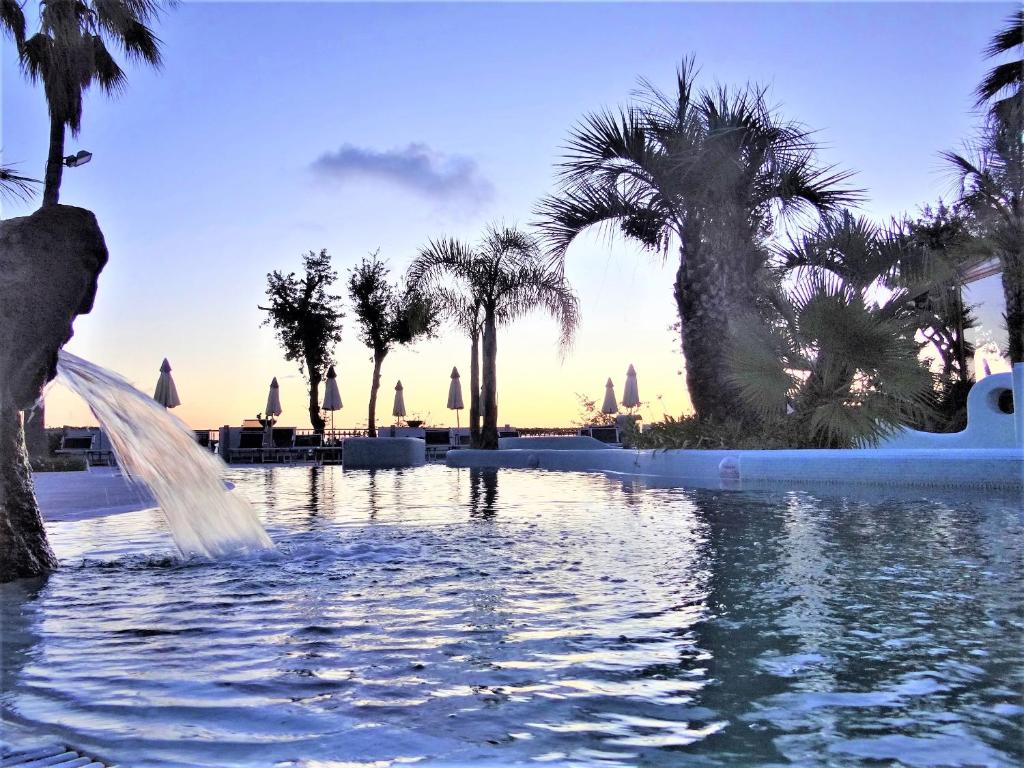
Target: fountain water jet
[[159, 450]]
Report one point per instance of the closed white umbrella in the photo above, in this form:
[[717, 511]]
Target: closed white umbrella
[[273, 400], [609, 406], [399, 410], [631, 395], [273, 410], [455, 396], [166, 393], [332, 396]]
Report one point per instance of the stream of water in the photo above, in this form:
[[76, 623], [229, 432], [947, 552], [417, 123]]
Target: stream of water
[[159, 450]]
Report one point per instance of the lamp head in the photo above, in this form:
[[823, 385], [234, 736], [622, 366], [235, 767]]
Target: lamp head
[[80, 158]]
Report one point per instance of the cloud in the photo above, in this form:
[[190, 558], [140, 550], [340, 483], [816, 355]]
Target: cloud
[[415, 167]]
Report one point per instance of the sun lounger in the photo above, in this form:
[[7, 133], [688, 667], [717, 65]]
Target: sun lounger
[[437, 442], [91, 444], [250, 447], [605, 434]]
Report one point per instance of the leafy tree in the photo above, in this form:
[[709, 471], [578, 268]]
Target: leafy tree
[[70, 53], [712, 171], [492, 284], [590, 413], [307, 320], [388, 315]]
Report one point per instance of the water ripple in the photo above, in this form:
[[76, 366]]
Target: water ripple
[[441, 616]]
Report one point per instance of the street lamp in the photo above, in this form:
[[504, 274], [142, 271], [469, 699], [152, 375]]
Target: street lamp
[[73, 161]]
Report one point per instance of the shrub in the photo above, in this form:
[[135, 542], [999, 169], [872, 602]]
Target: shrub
[[58, 464], [692, 432]]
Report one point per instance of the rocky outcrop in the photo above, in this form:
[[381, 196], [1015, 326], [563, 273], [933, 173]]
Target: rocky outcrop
[[49, 265]]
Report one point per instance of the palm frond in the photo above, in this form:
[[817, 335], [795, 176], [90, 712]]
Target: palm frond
[[140, 43], [1000, 78], [108, 74], [14, 186], [566, 215], [756, 369], [12, 20], [442, 258], [1008, 38], [1009, 75]]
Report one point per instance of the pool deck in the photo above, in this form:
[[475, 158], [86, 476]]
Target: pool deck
[[97, 492], [948, 468], [988, 453]]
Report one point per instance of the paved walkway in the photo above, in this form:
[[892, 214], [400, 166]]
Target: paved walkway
[[97, 492]]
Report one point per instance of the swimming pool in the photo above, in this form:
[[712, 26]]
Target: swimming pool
[[445, 616]]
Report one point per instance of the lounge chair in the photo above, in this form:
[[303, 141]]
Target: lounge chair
[[250, 446], [91, 444], [437, 441], [605, 434]]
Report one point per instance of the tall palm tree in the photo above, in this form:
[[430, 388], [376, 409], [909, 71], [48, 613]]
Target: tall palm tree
[[1008, 77], [461, 302], [70, 53], [990, 175], [711, 171], [490, 285]]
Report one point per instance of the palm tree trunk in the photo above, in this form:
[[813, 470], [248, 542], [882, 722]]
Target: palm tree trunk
[[54, 164], [489, 390], [315, 419], [1013, 292], [474, 389], [371, 417], [705, 306], [24, 550]]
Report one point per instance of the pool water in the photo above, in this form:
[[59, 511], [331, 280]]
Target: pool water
[[439, 616]]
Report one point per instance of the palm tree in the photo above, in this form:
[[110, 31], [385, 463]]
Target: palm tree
[[839, 366], [462, 303], [490, 285], [70, 52], [1008, 77], [709, 170], [990, 175]]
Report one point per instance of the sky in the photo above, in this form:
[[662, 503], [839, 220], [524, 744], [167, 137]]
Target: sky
[[274, 129]]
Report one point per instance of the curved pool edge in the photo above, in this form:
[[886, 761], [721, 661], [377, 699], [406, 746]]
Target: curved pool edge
[[946, 468]]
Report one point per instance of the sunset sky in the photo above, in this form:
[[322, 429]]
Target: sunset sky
[[278, 128]]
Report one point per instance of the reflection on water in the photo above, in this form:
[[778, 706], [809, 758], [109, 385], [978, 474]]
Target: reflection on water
[[483, 493], [588, 622]]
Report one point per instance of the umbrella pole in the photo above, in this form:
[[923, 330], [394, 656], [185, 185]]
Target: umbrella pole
[[457, 424]]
